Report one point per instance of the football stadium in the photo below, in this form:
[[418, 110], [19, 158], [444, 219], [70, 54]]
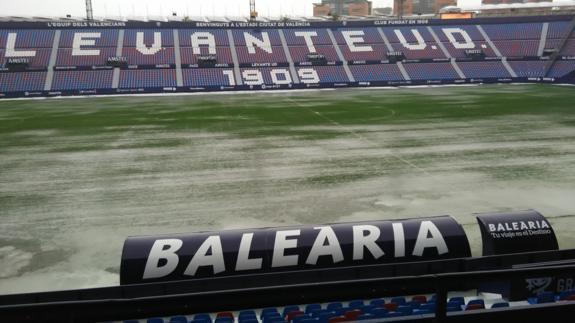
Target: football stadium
[[318, 170]]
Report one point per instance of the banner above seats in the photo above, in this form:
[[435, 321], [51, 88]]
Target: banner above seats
[[208, 254]]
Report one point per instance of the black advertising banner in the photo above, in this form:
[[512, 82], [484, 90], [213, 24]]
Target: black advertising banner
[[516, 232], [226, 253]]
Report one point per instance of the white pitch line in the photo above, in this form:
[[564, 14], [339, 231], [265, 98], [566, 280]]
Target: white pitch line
[[359, 136]]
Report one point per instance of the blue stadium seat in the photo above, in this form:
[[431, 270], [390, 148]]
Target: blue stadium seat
[[420, 311], [178, 319], [428, 306], [269, 310], [377, 302], [394, 314], [155, 320], [379, 312], [545, 297], [454, 308], [312, 307], [334, 306], [398, 300], [364, 317], [367, 308], [224, 320], [500, 305], [405, 310], [457, 300], [325, 316], [413, 304], [247, 313], [203, 317], [273, 319]]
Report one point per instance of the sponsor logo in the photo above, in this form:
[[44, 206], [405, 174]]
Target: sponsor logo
[[518, 226], [163, 258], [537, 285]]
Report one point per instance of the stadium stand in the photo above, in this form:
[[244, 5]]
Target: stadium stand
[[326, 74], [484, 69], [415, 43], [30, 81], [370, 73], [298, 37], [525, 48], [527, 31], [561, 68], [528, 68], [46, 59], [147, 78], [431, 71], [569, 48], [300, 53], [82, 80], [208, 77]]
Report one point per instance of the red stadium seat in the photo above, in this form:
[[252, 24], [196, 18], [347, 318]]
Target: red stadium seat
[[338, 319], [472, 307], [225, 314]]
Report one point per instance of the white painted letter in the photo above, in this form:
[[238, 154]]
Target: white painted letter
[[159, 252], [83, 39], [244, 262], [420, 41], [286, 79], [308, 76], [434, 241], [230, 75], [11, 48], [307, 35], [203, 38], [398, 239], [280, 245], [362, 240], [264, 43], [253, 77], [142, 48], [320, 248], [354, 36], [215, 259], [468, 42]]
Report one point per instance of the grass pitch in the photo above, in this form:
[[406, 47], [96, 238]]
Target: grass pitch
[[79, 175]]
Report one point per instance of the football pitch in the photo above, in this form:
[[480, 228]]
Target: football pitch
[[77, 176]]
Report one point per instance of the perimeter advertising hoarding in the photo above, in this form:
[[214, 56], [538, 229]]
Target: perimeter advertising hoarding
[[227, 253]]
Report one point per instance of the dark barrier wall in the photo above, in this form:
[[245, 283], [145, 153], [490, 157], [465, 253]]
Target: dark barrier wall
[[198, 255]]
